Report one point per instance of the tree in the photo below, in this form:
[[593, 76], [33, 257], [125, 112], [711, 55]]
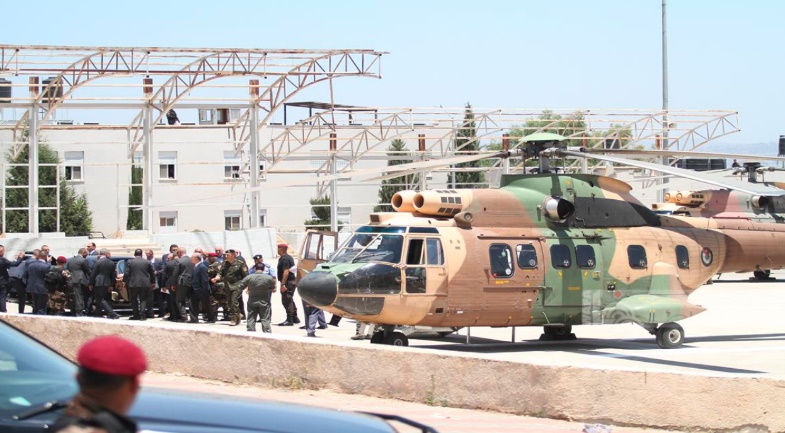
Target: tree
[[466, 144], [75, 215], [320, 208], [134, 221], [390, 186]]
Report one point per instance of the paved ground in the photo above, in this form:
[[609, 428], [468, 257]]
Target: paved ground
[[444, 419], [741, 334]]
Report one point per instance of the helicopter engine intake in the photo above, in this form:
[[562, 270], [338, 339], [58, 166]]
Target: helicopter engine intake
[[557, 209], [443, 202], [759, 201]]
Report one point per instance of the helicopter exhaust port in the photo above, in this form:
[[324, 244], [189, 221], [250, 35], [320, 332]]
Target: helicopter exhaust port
[[557, 209], [759, 201]]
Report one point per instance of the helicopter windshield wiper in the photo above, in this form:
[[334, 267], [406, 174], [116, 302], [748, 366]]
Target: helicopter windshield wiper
[[49, 406]]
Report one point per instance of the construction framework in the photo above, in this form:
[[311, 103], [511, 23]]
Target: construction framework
[[146, 84]]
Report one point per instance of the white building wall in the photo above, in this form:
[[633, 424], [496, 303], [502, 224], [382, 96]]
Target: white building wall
[[200, 195]]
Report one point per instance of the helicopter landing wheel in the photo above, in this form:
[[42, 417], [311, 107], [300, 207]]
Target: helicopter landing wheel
[[396, 339], [670, 335], [377, 337], [557, 333], [761, 275]]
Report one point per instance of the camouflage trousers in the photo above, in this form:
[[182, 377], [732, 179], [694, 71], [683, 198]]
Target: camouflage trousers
[[218, 299], [57, 302]]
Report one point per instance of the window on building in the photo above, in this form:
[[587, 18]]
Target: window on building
[[682, 257], [232, 219], [637, 256], [527, 256], [560, 256], [74, 166], [167, 221], [501, 260], [263, 218], [584, 254], [167, 161], [231, 165]]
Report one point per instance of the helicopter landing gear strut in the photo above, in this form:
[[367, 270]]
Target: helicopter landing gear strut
[[388, 335], [557, 333], [669, 335]]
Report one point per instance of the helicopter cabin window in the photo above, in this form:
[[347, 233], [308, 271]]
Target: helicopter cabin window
[[527, 256], [584, 254], [637, 256], [414, 254], [682, 257], [501, 260], [560, 256]]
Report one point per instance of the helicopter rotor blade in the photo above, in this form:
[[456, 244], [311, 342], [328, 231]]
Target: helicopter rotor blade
[[712, 179], [627, 153]]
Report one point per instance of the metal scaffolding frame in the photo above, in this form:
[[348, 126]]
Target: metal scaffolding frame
[[183, 69]]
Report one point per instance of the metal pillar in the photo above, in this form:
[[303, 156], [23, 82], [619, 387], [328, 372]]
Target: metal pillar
[[421, 150], [665, 126], [148, 168], [254, 162], [506, 147], [253, 157], [333, 193], [32, 172]]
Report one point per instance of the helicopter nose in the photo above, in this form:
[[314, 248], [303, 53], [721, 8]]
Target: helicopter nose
[[318, 288]]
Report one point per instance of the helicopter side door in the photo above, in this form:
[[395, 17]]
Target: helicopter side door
[[316, 248], [425, 270], [514, 278]]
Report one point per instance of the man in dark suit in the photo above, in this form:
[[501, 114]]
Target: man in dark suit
[[91, 251], [34, 275], [102, 279], [200, 292], [5, 264], [170, 275], [155, 298], [139, 278], [80, 276], [183, 280]]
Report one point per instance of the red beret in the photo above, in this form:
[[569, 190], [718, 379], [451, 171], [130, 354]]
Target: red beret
[[213, 255], [283, 245], [112, 355], [62, 259]]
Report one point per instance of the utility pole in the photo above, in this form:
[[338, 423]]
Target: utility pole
[[665, 125]]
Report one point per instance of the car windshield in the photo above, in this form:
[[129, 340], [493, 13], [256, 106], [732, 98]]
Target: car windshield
[[370, 247], [30, 373]]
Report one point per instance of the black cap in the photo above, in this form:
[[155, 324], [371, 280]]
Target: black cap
[[231, 251], [257, 257]]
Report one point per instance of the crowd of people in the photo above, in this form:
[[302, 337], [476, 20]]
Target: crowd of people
[[180, 287]]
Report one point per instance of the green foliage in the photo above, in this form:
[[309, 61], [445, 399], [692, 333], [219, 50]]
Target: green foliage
[[390, 186], [75, 215], [134, 221], [320, 208], [466, 144]]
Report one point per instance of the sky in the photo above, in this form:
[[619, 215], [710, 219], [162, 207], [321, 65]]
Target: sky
[[566, 54]]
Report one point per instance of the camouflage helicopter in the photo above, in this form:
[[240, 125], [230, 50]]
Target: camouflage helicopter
[[550, 250]]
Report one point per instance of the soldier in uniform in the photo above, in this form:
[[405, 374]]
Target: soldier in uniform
[[260, 287], [108, 377], [217, 290], [232, 273], [58, 284]]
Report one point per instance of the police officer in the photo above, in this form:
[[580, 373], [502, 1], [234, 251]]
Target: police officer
[[108, 378], [259, 266], [287, 273], [232, 273]]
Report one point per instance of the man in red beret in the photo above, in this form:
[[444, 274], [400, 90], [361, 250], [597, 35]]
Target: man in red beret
[[108, 377]]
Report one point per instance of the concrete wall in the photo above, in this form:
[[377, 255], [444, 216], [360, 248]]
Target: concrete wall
[[249, 242], [59, 245], [637, 398]]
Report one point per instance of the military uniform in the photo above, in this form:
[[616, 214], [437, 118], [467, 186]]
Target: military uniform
[[60, 294], [217, 291], [232, 274], [260, 290], [83, 416]]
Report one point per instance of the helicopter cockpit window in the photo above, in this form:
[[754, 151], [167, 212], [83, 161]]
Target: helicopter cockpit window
[[434, 252], [584, 254], [501, 260], [682, 257], [560, 256], [527, 256], [370, 247], [414, 254], [637, 256]]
